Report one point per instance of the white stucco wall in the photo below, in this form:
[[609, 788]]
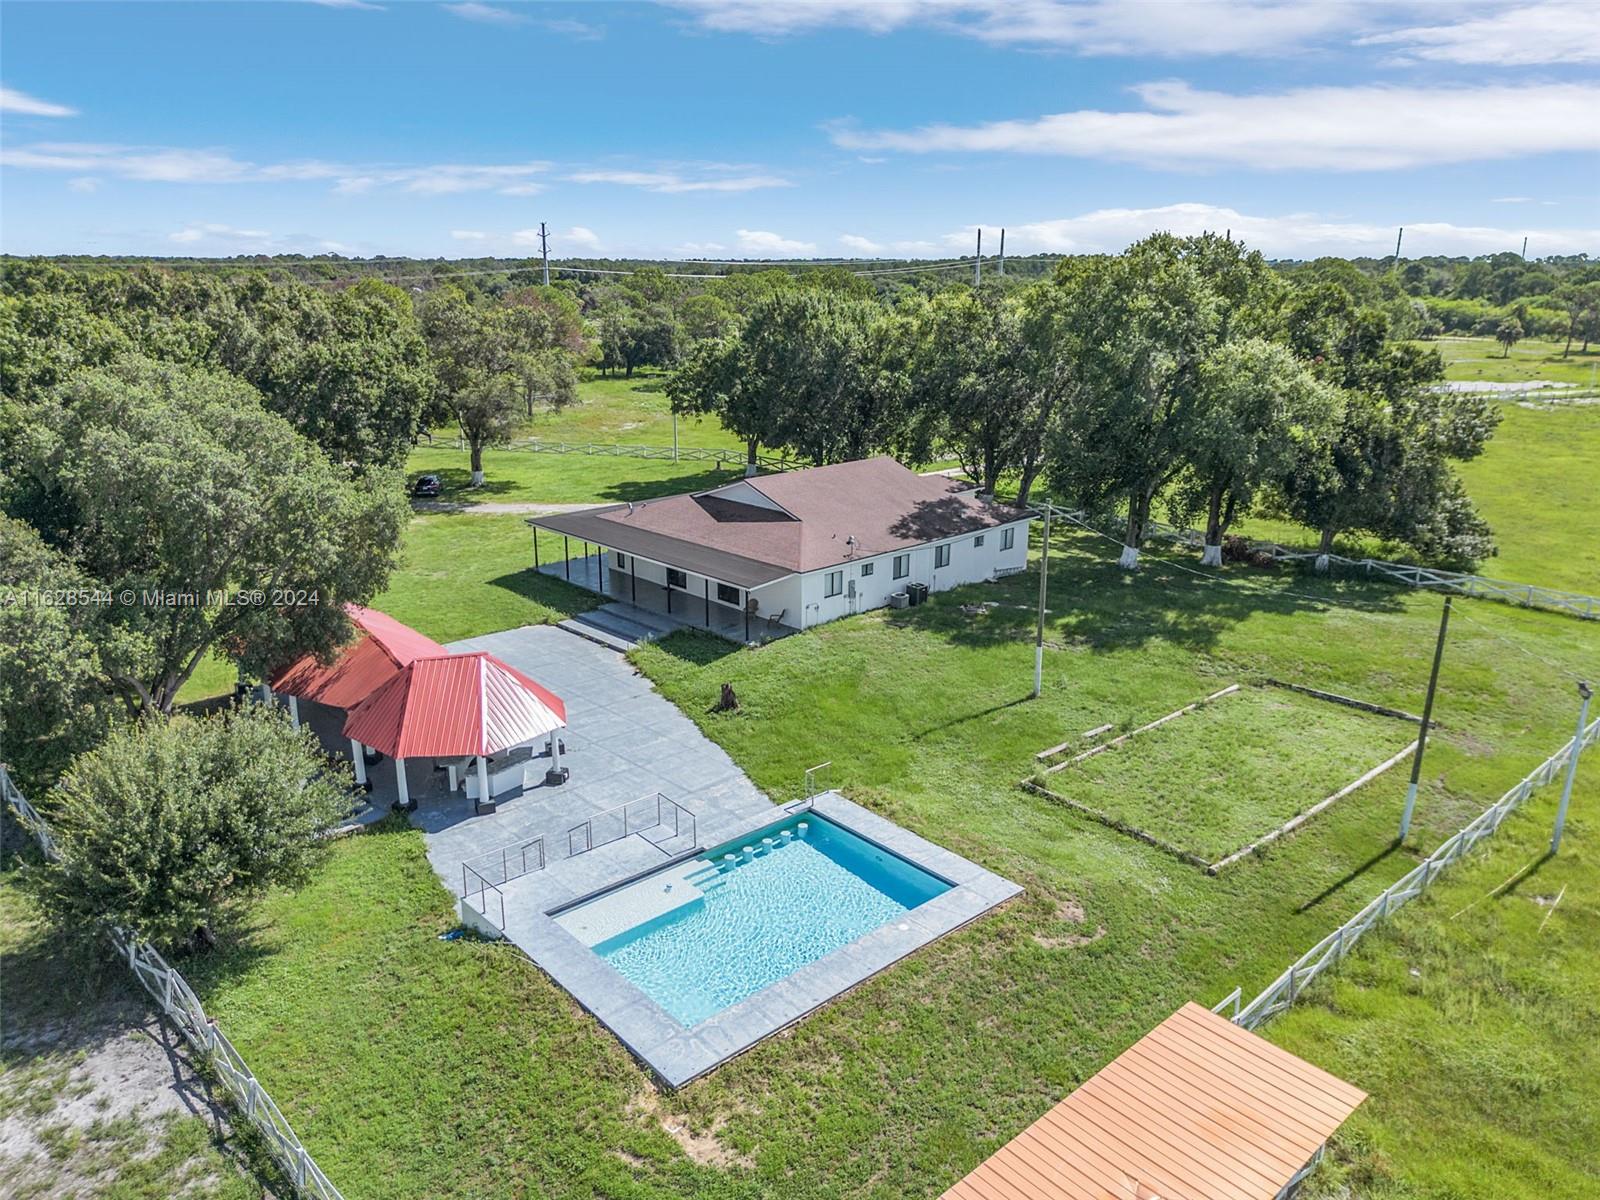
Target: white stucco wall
[[969, 563]]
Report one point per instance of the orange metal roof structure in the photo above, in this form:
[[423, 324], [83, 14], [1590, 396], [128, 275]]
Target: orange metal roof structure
[[384, 647], [454, 705], [1197, 1109]]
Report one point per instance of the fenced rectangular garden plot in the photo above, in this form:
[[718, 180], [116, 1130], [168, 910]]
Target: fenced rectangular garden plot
[[1231, 771]]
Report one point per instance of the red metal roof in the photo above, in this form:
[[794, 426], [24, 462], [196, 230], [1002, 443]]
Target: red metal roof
[[376, 656], [453, 705], [1197, 1109]]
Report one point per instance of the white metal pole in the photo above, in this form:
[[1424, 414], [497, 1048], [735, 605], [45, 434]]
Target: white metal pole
[[1572, 765], [1044, 585], [358, 756]]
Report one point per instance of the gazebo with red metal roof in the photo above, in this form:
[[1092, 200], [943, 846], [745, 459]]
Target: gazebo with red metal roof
[[383, 648], [457, 706]]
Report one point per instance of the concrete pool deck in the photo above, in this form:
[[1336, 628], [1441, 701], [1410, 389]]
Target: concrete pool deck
[[677, 1054]]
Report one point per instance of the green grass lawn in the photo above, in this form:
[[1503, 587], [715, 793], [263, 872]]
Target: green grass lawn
[[1474, 1022], [538, 477], [1483, 359], [465, 574], [418, 1067], [1214, 780]]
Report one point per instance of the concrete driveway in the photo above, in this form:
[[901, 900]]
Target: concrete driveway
[[623, 741]]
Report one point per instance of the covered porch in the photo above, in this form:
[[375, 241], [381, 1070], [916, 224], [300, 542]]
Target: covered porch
[[762, 614]]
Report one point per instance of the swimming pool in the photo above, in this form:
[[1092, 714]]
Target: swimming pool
[[700, 936]]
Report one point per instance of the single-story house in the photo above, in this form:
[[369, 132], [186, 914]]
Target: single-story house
[[794, 549]]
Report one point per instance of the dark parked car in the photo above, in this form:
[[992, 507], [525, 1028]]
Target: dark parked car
[[427, 485]]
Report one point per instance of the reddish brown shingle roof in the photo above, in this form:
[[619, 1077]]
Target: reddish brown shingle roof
[[1197, 1109], [883, 505]]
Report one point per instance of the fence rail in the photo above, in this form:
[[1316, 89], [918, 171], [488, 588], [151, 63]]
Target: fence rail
[[652, 810], [1283, 991], [183, 1007], [730, 456], [1528, 595]]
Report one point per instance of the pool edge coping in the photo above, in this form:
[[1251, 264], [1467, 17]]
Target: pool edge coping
[[677, 1055]]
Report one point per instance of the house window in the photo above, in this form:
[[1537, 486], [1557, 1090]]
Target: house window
[[728, 595], [1008, 538], [834, 582], [902, 565], [978, 541], [866, 569], [941, 556], [622, 561], [676, 578]]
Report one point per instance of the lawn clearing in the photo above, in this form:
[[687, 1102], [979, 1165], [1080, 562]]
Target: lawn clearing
[[1474, 1022], [1482, 359], [1235, 768], [417, 1067]]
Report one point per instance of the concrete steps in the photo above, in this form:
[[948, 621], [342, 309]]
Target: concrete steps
[[620, 627]]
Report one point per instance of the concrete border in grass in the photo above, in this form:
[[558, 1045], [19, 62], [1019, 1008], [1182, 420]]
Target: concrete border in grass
[[677, 1054]]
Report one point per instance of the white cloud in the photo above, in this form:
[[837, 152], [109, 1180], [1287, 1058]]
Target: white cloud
[[1316, 128], [161, 164], [1291, 235], [761, 241], [690, 248], [211, 231], [13, 101], [485, 14], [468, 235], [84, 183], [580, 237], [1182, 28], [1557, 31], [579, 30], [854, 241], [672, 181], [358, 4]]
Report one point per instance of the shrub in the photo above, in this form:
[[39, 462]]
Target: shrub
[[171, 820]]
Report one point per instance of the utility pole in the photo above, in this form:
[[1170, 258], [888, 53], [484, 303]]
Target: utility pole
[[544, 253], [977, 262], [1584, 696], [1524, 247], [1427, 716], [1397, 238], [1002, 252], [1044, 586]]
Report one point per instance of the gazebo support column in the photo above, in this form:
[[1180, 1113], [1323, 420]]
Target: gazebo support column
[[400, 783], [483, 779], [557, 774], [358, 756], [294, 711]]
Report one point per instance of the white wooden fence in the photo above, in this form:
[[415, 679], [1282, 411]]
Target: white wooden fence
[[179, 1002], [1526, 594], [1284, 990]]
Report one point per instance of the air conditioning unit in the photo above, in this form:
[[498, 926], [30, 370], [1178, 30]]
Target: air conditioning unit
[[899, 600]]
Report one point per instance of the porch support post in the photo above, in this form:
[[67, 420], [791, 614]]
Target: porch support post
[[294, 711], [633, 579], [708, 604], [400, 783], [535, 547], [483, 779], [450, 775], [358, 756], [566, 553]]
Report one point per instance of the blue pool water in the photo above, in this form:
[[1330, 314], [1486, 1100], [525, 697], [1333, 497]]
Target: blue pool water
[[810, 888]]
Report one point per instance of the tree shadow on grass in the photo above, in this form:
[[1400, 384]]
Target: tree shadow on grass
[[690, 481], [1095, 605], [563, 598], [456, 487]]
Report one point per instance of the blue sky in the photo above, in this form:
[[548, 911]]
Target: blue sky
[[734, 128]]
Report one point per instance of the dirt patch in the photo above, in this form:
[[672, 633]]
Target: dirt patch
[[1070, 911], [704, 1147], [1070, 941]]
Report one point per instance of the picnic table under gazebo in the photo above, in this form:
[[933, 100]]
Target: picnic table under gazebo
[[460, 709]]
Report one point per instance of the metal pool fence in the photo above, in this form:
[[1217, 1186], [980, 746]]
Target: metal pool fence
[[1286, 989], [179, 1003]]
